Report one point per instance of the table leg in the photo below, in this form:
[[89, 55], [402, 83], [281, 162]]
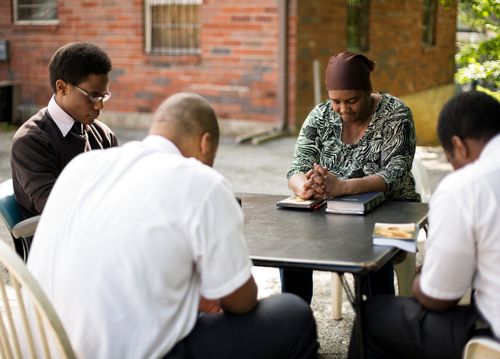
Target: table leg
[[359, 314], [336, 291]]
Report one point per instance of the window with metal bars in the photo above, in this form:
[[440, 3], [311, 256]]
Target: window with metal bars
[[35, 11], [173, 26], [358, 12], [429, 23]]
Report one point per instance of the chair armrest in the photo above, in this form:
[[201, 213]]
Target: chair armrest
[[25, 228]]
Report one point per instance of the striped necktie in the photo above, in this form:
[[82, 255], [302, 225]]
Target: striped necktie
[[79, 130]]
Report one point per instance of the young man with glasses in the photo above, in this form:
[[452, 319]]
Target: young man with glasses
[[68, 126]]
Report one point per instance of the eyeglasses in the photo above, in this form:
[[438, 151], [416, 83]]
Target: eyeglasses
[[94, 99]]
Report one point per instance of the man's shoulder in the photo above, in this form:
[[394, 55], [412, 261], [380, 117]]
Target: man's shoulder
[[196, 167], [36, 128], [471, 178], [166, 160], [456, 180], [200, 177]]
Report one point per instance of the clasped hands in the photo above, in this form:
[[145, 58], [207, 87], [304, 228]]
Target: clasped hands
[[320, 184]]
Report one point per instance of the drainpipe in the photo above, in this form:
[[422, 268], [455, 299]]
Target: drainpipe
[[283, 66]]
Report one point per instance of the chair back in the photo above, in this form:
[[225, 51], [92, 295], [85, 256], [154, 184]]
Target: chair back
[[29, 325], [422, 182], [482, 348], [8, 205]]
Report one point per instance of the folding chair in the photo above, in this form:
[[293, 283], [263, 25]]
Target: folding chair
[[29, 326], [9, 213]]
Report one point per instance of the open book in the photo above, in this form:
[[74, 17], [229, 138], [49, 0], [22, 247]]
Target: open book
[[297, 202], [400, 235]]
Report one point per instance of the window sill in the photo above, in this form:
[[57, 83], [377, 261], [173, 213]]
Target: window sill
[[36, 22], [36, 25]]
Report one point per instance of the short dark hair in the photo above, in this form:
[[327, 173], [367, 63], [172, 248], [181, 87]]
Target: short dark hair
[[473, 114], [73, 62]]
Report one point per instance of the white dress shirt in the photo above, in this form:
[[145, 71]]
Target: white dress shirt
[[463, 246], [60, 117], [129, 240]]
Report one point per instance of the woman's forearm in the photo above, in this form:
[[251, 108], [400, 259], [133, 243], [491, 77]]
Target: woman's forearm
[[372, 183]]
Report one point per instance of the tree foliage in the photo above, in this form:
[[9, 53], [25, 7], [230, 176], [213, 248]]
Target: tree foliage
[[479, 63]]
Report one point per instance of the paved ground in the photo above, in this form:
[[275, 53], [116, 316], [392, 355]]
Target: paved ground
[[262, 169]]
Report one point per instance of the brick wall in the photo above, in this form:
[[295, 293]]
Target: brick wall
[[321, 28], [403, 65], [238, 68]]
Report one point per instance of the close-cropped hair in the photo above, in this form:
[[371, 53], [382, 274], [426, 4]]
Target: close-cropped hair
[[188, 113], [74, 62], [473, 115]]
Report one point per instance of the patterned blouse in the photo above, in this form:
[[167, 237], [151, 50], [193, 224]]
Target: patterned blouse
[[386, 149]]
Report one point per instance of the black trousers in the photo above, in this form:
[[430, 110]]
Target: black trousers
[[282, 326], [396, 327], [300, 282]]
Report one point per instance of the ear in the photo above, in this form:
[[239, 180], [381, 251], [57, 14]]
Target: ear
[[460, 148], [206, 144], [61, 87]]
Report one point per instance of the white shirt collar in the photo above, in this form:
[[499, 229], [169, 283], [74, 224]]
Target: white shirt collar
[[161, 143], [493, 146], [60, 117]]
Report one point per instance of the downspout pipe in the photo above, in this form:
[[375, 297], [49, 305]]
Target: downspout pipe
[[283, 66]]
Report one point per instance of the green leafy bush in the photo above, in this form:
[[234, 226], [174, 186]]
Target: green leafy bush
[[479, 63]]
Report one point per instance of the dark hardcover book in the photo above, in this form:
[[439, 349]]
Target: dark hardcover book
[[355, 204], [400, 235], [297, 202]]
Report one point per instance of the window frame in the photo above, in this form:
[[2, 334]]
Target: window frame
[[15, 16], [362, 26], [148, 29], [429, 23]]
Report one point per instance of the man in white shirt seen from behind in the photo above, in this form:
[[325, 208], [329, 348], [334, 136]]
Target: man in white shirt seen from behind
[[132, 238], [462, 249]]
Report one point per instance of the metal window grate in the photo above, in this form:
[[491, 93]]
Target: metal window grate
[[35, 10], [358, 12], [173, 27], [429, 23]]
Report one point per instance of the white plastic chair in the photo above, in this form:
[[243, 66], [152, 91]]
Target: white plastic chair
[[405, 270], [482, 348], [29, 325]]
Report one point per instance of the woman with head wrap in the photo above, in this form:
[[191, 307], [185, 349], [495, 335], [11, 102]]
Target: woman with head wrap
[[356, 141]]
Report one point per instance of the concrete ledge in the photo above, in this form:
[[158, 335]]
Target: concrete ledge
[[142, 121], [130, 120]]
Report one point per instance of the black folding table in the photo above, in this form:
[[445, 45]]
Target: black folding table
[[293, 238]]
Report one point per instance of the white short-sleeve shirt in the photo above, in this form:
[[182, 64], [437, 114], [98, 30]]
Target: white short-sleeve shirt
[[129, 240], [463, 245]]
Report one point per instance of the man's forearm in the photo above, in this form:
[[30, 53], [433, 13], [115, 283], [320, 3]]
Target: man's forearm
[[430, 302]]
